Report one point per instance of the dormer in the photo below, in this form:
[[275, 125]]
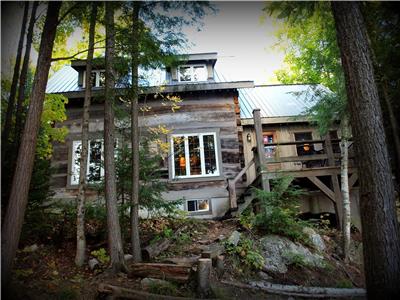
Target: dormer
[[194, 68], [98, 72]]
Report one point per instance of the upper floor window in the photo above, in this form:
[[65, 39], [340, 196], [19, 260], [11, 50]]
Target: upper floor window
[[194, 155], [192, 73], [98, 78]]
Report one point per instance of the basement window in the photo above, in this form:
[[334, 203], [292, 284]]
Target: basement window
[[192, 73], [194, 155], [197, 205]]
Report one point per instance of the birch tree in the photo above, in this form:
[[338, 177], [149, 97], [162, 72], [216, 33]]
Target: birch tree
[[312, 55], [80, 220]]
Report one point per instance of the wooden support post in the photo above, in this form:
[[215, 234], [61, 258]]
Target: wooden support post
[[335, 180], [260, 158], [232, 194], [327, 191], [220, 266], [204, 276]]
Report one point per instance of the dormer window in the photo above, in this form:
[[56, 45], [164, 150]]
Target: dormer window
[[98, 78], [192, 73]]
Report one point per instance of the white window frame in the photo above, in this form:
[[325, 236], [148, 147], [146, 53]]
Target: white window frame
[[192, 72], [198, 210], [187, 160], [97, 81], [75, 172]]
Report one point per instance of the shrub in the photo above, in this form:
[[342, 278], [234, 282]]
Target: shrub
[[279, 210], [247, 252]]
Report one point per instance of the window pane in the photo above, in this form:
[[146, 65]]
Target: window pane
[[209, 154], [304, 149], [102, 79], [192, 205], [94, 161], [199, 73], [194, 154], [203, 204], [184, 74], [179, 156], [269, 150]]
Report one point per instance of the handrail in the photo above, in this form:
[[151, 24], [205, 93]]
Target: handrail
[[244, 170], [232, 185]]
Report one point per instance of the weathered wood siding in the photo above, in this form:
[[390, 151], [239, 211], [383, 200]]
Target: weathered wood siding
[[283, 133], [208, 111]]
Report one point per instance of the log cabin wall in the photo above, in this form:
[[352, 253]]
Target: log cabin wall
[[205, 111]]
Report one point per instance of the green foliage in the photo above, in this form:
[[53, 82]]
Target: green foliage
[[164, 288], [344, 284], [101, 256], [295, 259], [247, 252], [279, 210], [308, 38], [151, 185], [53, 112]]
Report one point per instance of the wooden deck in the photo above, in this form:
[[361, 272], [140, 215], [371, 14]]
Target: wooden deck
[[313, 166]]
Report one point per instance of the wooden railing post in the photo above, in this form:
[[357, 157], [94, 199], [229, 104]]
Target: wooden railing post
[[260, 158]]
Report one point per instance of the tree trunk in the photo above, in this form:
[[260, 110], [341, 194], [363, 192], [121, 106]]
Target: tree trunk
[[22, 78], [14, 216], [345, 186], [135, 238], [393, 125], [13, 91], [114, 229], [80, 214], [178, 273], [377, 198]]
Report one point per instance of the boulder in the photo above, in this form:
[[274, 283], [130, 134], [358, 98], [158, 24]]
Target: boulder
[[279, 252], [234, 238], [315, 239]]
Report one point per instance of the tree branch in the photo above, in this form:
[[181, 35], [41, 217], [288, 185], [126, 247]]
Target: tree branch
[[75, 55], [66, 13]]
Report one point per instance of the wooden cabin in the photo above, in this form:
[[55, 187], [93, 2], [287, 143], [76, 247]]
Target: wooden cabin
[[214, 140], [204, 135], [274, 123]]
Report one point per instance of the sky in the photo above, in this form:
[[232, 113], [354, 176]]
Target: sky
[[244, 44]]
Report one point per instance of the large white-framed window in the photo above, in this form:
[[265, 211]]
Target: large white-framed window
[[95, 170], [98, 78], [192, 73], [194, 155]]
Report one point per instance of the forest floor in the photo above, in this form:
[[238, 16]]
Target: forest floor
[[47, 270]]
